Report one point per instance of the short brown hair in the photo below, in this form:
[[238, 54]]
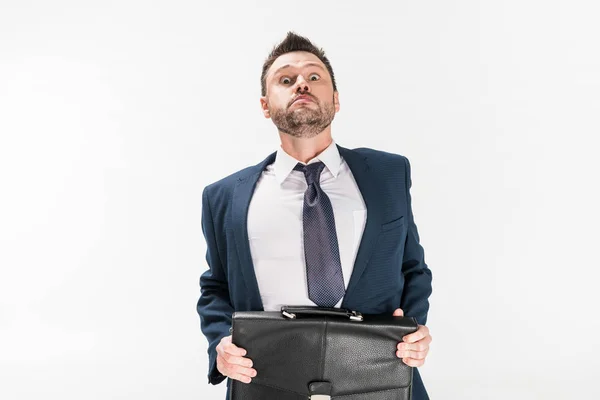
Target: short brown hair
[[293, 42]]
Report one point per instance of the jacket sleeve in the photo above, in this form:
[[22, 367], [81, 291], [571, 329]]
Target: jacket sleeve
[[417, 276], [214, 306]]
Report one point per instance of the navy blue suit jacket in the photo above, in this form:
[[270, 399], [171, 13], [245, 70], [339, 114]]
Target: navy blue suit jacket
[[389, 271]]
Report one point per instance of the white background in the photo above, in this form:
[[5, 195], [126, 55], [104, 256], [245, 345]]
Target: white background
[[115, 114]]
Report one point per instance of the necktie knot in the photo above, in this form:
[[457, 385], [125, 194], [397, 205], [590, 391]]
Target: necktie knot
[[312, 172]]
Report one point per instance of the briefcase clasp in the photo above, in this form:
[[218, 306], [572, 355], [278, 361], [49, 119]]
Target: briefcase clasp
[[319, 390], [356, 316]]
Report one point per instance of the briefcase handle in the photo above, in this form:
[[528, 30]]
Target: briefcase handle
[[292, 312]]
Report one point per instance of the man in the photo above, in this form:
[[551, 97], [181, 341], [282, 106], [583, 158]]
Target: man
[[313, 224]]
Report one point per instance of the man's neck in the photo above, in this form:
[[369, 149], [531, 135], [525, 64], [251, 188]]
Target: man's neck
[[303, 149]]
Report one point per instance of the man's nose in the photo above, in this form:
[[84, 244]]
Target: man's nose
[[302, 84]]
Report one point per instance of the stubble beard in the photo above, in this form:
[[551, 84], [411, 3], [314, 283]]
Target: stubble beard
[[303, 122]]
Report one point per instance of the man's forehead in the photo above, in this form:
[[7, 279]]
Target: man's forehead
[[296, 59]]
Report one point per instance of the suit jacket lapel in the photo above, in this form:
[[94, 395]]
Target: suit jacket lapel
[[367, 184], [242, 195]]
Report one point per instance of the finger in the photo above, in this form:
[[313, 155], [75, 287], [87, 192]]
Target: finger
[[233, 370], [221, 346], [421, 333], [421, 345], [398, 312], [412, 362], [241, 378], [236, 360], [232, 349], [417, 355], [239, 370]]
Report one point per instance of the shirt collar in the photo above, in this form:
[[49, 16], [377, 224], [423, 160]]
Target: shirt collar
[[284, 163]]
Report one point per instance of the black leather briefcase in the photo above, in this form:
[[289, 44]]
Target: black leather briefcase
[[317, 353]]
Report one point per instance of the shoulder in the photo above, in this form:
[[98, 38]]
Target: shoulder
[[370, 152], [388, 166], [223, 187], [382, 158], [229, 180]]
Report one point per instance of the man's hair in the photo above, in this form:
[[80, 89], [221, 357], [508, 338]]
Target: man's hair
[[293, 42]]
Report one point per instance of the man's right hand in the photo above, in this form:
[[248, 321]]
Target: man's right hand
[[232, 363]]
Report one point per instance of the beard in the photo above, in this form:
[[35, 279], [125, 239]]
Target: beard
[[304, 122]]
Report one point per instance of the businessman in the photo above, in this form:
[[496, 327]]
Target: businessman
[[314, 223]]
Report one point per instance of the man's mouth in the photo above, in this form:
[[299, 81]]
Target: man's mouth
[[303, 99]]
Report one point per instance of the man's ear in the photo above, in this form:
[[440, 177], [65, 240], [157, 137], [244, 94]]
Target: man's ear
[[264, 105], [336, 101]]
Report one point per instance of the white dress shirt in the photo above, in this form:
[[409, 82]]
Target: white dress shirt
[[275, 229]]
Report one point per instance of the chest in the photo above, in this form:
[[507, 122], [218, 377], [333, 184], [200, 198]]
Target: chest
[[276, 210]]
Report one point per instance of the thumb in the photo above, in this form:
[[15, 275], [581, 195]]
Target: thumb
[[398, 312]]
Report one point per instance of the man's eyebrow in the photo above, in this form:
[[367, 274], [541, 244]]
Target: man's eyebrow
[[313, 64]]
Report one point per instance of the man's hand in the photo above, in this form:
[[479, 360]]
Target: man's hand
[[415, 346], [232, 363]]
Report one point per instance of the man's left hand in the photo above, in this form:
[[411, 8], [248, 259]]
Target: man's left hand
[[415, 346]]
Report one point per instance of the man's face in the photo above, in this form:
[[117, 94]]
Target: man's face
[[300, 98]]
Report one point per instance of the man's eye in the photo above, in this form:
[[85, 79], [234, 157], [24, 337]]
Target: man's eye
[[286, 81], [315, 76]]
